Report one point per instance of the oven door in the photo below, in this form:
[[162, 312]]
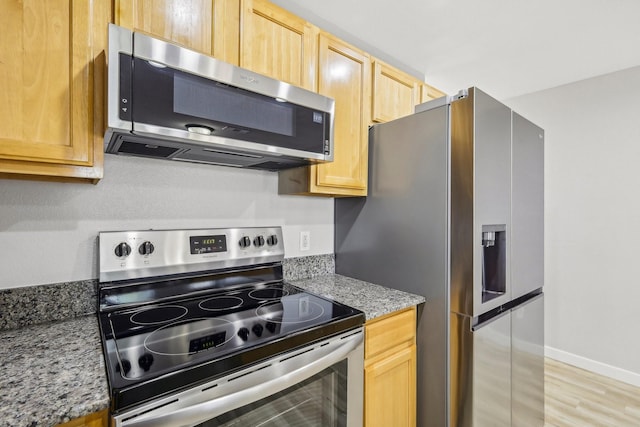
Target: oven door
[[318, 385]]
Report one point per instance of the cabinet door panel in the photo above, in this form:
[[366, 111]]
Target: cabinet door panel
[[226, 30], [38, 47], [390, 385], [428, 93], [396, 330], [47, 90], [97, 419], [345, 75], [394, 93], [186, 22], [277, 43]]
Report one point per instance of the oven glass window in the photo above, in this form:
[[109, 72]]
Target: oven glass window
[[319, 401]]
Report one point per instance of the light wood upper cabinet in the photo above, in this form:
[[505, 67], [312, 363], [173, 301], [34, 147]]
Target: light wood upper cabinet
[[390, 370], [52, 88], [428, 93], [344, 74], [395, 93], [277, 43], [226, 30], [186, 22]]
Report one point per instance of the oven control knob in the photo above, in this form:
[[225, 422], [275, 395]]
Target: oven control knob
[[146, 248], [271, 327], [243, 333], [122, 250], [258, 241], [126, 366], [245, 242], [145, 361], [272, 240], [257, 329]]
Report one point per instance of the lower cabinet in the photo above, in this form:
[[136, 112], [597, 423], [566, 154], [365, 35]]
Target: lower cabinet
[[390, 370], [97, 419]]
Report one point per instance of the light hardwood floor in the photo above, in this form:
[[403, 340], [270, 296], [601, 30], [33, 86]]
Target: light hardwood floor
[[578, 398]]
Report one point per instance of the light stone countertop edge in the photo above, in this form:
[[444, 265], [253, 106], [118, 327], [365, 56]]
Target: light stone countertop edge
[[374, 300], [52, 373]]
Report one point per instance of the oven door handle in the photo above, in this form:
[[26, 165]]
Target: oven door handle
[[289, 372]]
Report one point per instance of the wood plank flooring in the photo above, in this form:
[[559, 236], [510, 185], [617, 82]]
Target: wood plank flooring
[[578, 398]]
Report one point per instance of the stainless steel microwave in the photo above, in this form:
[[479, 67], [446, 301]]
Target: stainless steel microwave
[[168, 102]]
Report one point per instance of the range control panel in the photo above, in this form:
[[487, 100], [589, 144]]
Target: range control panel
[[125, 255]]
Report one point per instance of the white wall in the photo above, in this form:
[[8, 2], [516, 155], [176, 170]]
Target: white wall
[[48, 230], [592, 219]]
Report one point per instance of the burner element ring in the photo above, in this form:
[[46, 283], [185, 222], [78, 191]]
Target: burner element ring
[[277, 313], [268, 293], [159, 314], [225, 302]]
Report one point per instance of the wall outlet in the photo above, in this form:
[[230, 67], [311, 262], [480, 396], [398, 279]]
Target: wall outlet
[[305, 240]]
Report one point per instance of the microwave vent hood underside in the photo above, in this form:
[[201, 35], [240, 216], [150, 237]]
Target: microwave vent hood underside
[[134, 145]]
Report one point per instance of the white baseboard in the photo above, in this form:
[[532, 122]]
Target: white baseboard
[[600, 368]]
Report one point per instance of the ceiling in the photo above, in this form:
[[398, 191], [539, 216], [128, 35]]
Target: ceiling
[[506, 47]]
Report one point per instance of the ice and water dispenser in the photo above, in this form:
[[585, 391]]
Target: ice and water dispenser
[[494, 261]]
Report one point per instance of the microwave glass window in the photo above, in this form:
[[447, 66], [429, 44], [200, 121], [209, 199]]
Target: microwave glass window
[[230, 105], [174, 99]]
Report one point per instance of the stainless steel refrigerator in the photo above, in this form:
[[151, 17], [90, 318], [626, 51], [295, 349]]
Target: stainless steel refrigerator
[[455, 213]]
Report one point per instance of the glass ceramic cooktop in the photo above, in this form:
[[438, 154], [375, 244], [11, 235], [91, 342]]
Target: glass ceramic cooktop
[[147, 342]]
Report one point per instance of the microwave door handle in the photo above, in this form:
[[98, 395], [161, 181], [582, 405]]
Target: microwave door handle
[[207, 410]]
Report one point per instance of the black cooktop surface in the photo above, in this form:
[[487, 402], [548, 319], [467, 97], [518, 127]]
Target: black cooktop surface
[[158, 348]]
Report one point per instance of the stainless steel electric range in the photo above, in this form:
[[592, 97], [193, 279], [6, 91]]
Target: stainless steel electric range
[[199, 329]]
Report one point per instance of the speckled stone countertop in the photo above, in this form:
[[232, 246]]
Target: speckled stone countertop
[[51, 373], [373, 300]]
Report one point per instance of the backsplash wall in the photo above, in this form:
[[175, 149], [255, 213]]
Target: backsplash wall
[[32, 305], [48, 230]]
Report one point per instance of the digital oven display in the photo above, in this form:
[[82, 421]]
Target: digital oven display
[[207, 244], [205, 343]]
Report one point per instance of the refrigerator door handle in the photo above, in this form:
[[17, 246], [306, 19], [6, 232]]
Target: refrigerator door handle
[[495, 314], [488, 318]]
